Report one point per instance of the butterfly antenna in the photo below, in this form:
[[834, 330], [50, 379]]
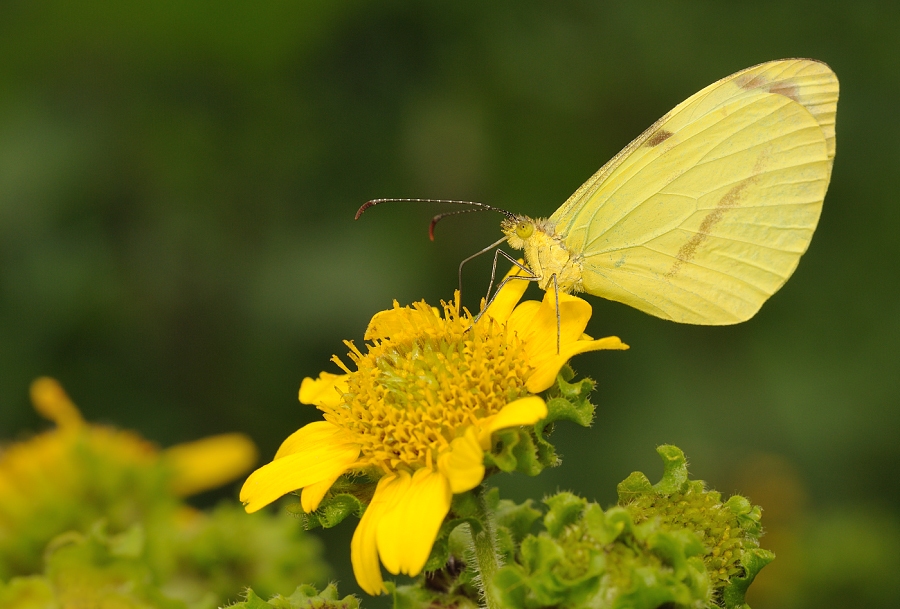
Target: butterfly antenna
[[475, 205], [439, 217]]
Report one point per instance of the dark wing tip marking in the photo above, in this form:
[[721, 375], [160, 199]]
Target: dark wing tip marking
[[750, 81], [788, 90], [776, 86]]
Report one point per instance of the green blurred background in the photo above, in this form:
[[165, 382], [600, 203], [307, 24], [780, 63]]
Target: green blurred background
[[177, 244]]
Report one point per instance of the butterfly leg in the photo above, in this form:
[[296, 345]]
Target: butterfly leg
[[498, 252], [490, 298], [556, 302], [475, 255]]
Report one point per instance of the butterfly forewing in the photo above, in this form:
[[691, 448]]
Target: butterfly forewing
[[706, 214]]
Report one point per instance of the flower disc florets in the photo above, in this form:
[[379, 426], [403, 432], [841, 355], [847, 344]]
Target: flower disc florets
[[416, 391]]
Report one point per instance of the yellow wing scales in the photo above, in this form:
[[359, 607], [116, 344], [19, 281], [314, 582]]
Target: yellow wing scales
[[705, 215]]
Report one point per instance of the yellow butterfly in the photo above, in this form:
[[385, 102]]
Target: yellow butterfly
[[705, 215]]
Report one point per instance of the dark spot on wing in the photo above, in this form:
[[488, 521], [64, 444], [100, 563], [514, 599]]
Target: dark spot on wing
[[786, 89], [658, 138]]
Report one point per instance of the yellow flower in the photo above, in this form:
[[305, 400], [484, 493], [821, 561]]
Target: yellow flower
[[65, 475], [196, 466], [419, 411]]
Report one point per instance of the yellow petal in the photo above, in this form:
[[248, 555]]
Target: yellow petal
[[520, 319], [538, 327], [53, 403], [399, 320], [323, 456], [311, 496], [525, 411], [323, 391], [409, 527], [548, 367], [314, 434], [211, 462], [507, 297], [463, 465], [363, 547]]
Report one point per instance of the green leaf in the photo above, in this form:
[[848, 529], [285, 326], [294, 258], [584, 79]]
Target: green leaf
[[516, 518], [671, 544], [304, 597], [675, 475], [570, 402], [331, 511], [636, 484], [527, 450], [752, 561], [565, 508]]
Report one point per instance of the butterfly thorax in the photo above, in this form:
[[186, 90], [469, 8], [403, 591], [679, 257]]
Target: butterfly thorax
[[546, 253]]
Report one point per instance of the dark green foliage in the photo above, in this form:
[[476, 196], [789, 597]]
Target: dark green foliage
[[93, 570], [673, 544]]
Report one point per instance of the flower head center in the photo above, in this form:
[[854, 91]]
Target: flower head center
[[424, 385]]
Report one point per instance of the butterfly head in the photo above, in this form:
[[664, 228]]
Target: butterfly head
[[518, 230]]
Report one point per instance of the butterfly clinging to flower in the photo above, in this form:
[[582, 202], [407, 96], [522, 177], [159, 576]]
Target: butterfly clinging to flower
[[705, 215]]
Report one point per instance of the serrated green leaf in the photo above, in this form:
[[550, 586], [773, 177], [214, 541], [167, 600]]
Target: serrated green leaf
[[570, 402], [252, 602], [738, 505], [566, 373], [634, 485], [503, 457], [516, 518], [675, 475], [660, 547], [304, 597], [752, 561], [564, 510], [331, 511], [528, 461], [618, 521], [338, 507]]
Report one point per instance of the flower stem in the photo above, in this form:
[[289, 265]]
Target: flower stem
[[486, 557]]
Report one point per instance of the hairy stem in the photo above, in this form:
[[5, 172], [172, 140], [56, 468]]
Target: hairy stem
[[486, 557]]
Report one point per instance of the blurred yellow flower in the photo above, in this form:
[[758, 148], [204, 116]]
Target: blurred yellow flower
[[68, 477], [209, 462], [419, 411]]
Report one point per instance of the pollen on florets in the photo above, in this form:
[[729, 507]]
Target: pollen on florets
[[415, 391]]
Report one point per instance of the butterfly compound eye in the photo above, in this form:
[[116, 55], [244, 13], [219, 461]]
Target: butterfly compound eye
[[524, 229]]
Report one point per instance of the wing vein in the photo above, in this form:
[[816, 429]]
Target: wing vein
[[687, 230], [627, 180], [761, 144]]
